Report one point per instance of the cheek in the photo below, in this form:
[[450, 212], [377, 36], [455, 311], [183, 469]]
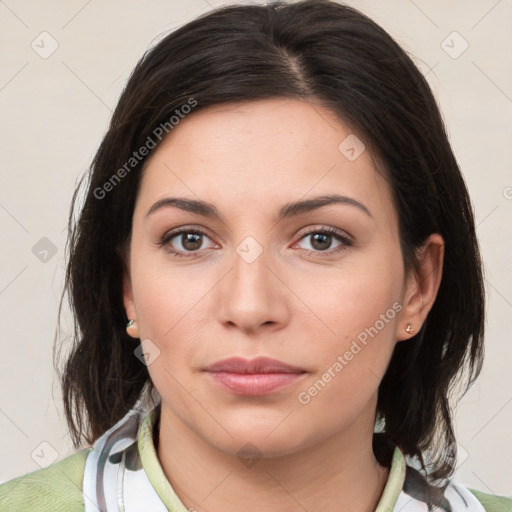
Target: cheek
[[350, 369], [168, 307], [166, 295], [172, 307], [355, 314], [349, 299]]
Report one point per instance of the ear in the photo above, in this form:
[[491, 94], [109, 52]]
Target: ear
[[129, 304], [421, 286]]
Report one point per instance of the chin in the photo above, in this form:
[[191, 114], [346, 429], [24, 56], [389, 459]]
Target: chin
[[257, 439], [253, 447]]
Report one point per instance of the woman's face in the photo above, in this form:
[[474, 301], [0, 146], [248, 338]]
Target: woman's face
[[261, 279]]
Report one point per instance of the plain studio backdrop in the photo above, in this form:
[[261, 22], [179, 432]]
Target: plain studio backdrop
[[63, 66]]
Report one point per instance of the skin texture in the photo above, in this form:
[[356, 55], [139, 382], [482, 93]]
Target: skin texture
[[299, 301]]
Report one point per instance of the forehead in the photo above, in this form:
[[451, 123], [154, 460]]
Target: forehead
[[253, 153]]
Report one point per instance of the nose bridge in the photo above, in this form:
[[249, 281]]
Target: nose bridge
[[250, 279], [250, 293]]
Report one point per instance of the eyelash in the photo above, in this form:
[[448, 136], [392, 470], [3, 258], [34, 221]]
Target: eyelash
[[346, 242]]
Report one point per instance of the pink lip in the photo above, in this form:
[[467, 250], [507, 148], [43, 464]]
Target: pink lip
[[256, 377], [257, 365]]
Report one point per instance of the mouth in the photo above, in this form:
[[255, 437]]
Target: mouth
[[254, 377]]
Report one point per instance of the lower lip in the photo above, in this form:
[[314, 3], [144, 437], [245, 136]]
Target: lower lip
[[254, 384]]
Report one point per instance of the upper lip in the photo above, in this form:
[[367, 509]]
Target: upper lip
[[257, 365]]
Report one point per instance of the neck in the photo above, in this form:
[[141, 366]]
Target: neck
[[340, 473]]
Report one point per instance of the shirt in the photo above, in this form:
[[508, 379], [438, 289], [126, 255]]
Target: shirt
[[122, 472]]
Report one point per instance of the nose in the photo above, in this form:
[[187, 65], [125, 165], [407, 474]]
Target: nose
[[252, 296]]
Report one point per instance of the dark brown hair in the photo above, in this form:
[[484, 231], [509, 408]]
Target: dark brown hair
[[314, 50]]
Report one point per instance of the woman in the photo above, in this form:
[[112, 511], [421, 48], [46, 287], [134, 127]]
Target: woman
[[275, 279]]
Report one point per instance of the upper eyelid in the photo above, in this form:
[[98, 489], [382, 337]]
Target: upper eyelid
[[331, 229]]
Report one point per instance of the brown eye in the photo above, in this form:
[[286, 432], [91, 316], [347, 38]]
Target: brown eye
[[321, 240], [191, 241], [186, 242]]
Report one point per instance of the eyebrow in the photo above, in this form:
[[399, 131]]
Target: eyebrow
[[286, 211]]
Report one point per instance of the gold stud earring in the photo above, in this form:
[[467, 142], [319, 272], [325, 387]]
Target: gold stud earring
[[132, 329], [409, 329]]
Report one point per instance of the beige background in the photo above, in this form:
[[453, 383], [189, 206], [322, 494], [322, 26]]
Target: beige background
[[55, 110]]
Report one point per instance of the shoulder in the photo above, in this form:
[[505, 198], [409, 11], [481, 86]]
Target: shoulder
[[492, 502], [55, 488], [449, 495], [468, 499]]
